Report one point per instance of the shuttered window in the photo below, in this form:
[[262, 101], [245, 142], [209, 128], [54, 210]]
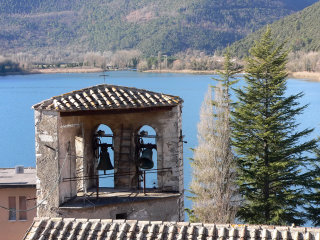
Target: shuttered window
[[22, 206], [12, 209]]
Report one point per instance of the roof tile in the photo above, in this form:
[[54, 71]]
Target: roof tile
[[70, 228], [105, 97]]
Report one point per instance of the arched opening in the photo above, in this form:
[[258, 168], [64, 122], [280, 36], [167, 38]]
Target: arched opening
[[104, 155], [147, 157]]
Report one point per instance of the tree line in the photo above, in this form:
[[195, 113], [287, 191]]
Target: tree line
[[190, 60]]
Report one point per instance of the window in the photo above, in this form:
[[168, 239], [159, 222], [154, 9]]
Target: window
[[12, 209], [105, 156], [148, 136], [22, 206]]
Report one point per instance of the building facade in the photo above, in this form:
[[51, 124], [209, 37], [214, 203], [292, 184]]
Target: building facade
[[70, 149], [17, 194]]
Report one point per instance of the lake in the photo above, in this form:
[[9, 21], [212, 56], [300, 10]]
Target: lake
[[19, 93]]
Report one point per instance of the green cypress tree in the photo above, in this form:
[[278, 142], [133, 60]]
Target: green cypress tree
[[313, 196], [271, 151]]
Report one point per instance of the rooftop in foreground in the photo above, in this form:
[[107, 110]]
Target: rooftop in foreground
[[9, 178], [71, 228], [111, 196]]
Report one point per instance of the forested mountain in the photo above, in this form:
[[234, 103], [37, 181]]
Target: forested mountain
[[169, 26], [300, 31]]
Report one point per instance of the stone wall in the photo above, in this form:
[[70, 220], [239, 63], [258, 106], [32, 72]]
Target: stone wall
[[164, 209], [46, 140], [64, 146], [180, 168]]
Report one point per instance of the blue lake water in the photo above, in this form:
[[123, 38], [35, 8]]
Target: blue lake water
[[19, 93]]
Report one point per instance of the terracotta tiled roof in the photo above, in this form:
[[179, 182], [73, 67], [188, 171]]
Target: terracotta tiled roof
[[104, 96], [70, 228]]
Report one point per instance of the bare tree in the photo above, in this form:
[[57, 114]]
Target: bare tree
[[304, 61], [214, 168]]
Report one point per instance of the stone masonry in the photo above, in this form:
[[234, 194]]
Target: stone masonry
[[65, 126]]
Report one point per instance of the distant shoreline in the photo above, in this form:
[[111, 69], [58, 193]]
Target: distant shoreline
[[54, 70], [308, 76], [188, 71], [66, 70]]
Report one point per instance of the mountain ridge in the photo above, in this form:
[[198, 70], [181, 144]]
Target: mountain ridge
[[147, 25], [299, 31]]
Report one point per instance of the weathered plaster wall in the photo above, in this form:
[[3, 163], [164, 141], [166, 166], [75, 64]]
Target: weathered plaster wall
[[164, 209]]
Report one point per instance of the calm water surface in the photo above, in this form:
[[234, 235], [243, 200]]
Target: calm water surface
[[19, 93]]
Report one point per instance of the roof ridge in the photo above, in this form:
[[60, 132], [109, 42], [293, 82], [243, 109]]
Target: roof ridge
[[90, 99], [112, 85]]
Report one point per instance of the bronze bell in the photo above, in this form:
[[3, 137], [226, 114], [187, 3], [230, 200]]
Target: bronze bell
[[105, 162], [145, 161]]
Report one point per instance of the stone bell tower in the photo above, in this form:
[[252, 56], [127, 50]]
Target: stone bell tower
[[68, 151]]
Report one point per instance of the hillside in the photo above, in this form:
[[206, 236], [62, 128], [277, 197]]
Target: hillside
[[170, 26], [300, 30]]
